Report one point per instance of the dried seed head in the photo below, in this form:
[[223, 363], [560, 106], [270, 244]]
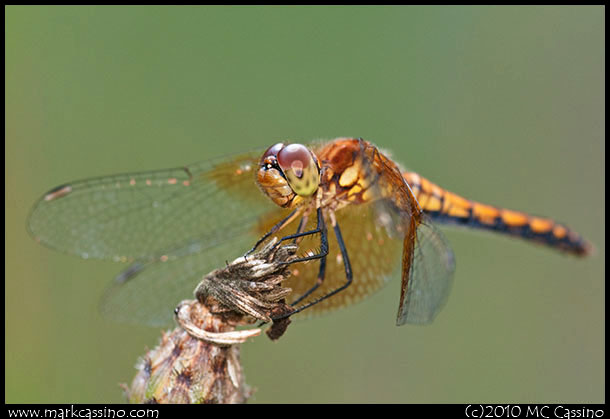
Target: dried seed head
[[249, 285], [198, 362]]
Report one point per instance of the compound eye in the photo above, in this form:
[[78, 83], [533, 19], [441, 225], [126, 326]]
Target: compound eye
[[300, 168], [272, 151]]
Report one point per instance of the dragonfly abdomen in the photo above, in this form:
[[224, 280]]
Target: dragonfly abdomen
[[448, 208]]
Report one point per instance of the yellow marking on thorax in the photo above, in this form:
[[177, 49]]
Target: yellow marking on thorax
[[349, 176], [367, 195], [352, 194], [364, 181], [356, 183]]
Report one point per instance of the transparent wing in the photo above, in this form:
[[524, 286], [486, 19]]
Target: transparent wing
[[148, 292], [427, 275], [374, 256], [174, 226], [428, 262], [136, 216]]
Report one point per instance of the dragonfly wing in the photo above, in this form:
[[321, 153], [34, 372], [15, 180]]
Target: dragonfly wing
[[173, 226], [428, 262], [136, 216], [427, 275], [374, 255], [147, 292]]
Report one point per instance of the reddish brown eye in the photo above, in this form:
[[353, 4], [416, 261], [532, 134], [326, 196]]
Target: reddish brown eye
[[300, 169], [295, 164], [272, 151], [295, 157]]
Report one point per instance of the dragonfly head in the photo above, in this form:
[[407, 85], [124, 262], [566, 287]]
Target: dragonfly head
[[286, 171]]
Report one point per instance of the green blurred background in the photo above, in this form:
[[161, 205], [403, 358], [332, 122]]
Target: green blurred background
[[501, 104]]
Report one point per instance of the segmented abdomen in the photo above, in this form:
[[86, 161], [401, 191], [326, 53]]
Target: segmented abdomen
[[446, 207]]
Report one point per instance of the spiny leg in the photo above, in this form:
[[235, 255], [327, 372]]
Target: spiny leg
[[282, 223], [322, 271], [348, 274], [320, 229], [301, 226]]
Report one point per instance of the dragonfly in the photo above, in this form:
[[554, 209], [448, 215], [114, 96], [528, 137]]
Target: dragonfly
[[358, 217]]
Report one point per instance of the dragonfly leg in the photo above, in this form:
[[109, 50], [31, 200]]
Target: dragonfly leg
[[321, 272], [300, 228], [273, 229], [320, 229], [319, 281], [348, 275]]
